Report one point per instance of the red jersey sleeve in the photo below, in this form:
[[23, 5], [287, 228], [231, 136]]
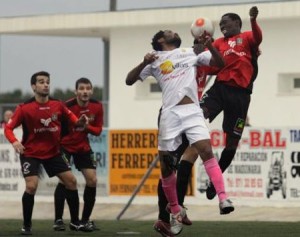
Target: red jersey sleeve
[[96, 128], [70, 115], [256, 38]]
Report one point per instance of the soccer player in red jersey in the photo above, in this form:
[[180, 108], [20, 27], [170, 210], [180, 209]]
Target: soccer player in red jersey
[[231, 92], [76, 144], [41, 118]]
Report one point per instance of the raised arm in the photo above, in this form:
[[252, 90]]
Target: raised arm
[[134, 74], [216, 59], [256, 31]]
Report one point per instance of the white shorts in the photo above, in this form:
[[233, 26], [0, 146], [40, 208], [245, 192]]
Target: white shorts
[[188, 119]]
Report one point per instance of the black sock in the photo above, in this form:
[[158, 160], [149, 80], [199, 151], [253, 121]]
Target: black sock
[[59, 200], [28, 203], [89, 198], [181, 149], [73, 202], [226, 158], [183, 177], [162, 203]]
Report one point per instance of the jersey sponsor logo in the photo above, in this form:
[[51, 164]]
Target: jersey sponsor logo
[[26, 166], [46, 122], [232, 51], [168, 67], [46, 128], [232, 43]]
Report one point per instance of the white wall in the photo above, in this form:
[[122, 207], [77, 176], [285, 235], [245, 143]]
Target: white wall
[[279, 55], [280, 49]]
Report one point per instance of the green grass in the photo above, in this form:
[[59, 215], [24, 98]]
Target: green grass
[[43, 228]]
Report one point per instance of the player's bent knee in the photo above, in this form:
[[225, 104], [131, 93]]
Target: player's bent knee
[[91, 182], [31, 189], [168, 163], [69, 180]]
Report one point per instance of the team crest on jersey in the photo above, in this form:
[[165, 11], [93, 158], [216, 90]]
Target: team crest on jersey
[[239, 41], [54, 117], [91, 117]]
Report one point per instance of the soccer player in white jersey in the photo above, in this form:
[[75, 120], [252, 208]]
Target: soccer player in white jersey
[[174, 69]]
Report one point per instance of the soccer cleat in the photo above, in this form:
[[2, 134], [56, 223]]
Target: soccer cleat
[[226, 207], [176, 221], [26, 230], [92, 225], [59, 225], [210, 191], [80, 227], [163, 228], [185, 219]]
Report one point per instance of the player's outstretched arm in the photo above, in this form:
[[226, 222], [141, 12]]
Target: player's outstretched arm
[[134, 74], [257, 33], [253, 12]]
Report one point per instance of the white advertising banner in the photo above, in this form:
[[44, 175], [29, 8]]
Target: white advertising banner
[[265, 165], [12, 184], [11, 179]]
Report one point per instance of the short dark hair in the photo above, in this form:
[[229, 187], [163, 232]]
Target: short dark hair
[[234, 17], [35, 75], [82, 80], [155, 45]]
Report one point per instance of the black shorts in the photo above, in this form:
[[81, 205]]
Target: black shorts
[[32, 166], [233, 101], [81, 160]]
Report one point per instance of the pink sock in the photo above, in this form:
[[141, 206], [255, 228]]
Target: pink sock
[[169, 187], [215, 174]]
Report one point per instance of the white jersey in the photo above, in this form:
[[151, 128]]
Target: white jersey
[[175, 72]]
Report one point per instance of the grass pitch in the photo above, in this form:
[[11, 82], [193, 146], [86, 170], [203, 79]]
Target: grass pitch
[[43, 228]]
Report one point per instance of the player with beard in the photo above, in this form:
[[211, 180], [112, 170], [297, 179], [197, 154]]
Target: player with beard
[[76, 144], [174, 69], [41, 119], [187, 156], [231, 92]]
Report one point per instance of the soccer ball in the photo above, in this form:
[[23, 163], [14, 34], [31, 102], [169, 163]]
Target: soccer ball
[[200, 25]]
